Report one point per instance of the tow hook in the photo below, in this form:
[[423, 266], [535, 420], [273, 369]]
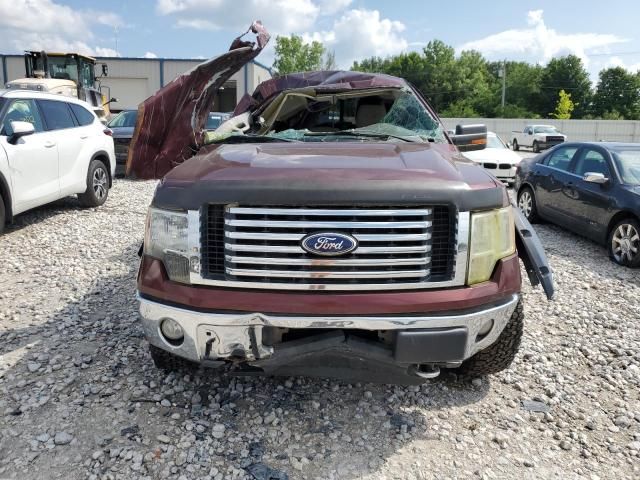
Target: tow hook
[[425, 371]]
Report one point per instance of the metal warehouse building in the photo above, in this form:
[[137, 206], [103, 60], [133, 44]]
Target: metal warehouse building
[[132, 80]]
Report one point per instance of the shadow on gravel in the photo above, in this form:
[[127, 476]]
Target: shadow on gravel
[[595, 260], [80, 396]]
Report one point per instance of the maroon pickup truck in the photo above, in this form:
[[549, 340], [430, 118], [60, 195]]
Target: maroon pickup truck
[[330, 227]]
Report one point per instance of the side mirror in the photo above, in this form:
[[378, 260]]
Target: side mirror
[[594, 177], [469, 138], [16, 130], [105, 69]]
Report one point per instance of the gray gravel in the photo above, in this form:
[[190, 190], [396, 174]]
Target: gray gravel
[[80, 398]]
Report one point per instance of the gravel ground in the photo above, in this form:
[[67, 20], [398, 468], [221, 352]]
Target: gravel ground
[[81, 399]]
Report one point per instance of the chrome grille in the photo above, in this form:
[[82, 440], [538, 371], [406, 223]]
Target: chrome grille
[[398, 247]]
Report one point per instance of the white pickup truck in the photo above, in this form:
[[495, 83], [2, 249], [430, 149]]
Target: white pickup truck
[[537, 137]]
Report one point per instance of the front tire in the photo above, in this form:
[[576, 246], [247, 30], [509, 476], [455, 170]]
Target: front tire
[[168, 362], [527, 204], [500, 354], [97, 185], [516, 147], [624, 243], [536, 147]]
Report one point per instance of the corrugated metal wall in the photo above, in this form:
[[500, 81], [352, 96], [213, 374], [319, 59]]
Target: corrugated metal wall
[[576, 130], [132, 80]]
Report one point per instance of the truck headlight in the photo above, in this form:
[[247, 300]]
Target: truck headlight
[[166, 238], [492, 237]]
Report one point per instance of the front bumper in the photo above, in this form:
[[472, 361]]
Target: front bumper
[[444, 338]]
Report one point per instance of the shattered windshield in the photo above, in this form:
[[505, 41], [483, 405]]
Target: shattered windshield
[[388, 115]]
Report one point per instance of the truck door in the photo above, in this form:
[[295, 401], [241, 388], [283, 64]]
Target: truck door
[[527, 137], [552, 175], [33, 160], [591, 202]]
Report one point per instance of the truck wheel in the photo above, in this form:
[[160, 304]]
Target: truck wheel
[[499, 355], [536, 147], [527, 204], [516, 147], [624, 243], [97, 185], [3, 218], [170, 363]]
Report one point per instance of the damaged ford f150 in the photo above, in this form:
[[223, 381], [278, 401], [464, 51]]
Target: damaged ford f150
[[329, 226]]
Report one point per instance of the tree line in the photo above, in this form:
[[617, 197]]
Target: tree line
[[468, 85]]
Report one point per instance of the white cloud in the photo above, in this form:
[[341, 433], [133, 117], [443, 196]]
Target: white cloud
[[618, 62], [279, 16], [541, 42], [359, 34], [331, 7], [150, 55], [47, 25]]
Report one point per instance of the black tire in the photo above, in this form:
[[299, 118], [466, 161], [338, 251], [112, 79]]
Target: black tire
[[97, 185], [530, 213], [3, 215], [500, 354], [168, 362], [516, 147], [627, 231], [536, 147]]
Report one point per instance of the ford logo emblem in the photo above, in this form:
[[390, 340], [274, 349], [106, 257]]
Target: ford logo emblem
[[329, 244]]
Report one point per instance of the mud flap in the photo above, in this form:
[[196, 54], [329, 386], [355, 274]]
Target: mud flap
[[532, 254]]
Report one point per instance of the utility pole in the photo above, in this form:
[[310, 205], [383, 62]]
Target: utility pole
[[116, 33], [503, 74]]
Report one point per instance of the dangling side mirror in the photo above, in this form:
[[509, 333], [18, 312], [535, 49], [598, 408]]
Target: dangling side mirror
[[469, 138]]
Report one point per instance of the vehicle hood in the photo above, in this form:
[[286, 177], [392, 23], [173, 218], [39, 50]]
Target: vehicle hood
[[122, 132], [344, 173], [170, 124], [495, 155]]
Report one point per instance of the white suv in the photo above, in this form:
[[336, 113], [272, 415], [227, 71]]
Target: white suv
[[51, 147]]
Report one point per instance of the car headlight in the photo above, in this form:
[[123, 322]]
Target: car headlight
[[492, 237], [166, 238]]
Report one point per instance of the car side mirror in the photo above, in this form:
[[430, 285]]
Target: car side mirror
[[16, 130], [469, 138], [105, 70], [595, 177]]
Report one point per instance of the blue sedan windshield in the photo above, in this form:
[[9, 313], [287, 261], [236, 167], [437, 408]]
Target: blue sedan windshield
[[629, 165]]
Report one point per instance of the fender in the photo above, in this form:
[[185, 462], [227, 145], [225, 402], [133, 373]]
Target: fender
[[532, 254], [6, 195]]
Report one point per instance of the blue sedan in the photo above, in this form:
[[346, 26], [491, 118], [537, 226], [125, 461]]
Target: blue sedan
[[592, 189]]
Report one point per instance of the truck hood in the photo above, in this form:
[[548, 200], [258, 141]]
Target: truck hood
[[170, 124], [344, 173]]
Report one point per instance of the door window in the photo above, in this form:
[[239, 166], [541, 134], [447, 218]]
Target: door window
[[83, 116], [23, 110], [561, 158], [56, 114], [591, 161]]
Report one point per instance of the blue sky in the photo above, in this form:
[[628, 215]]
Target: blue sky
[[534, 31]]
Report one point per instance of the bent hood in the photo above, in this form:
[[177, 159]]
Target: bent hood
[[170, 124], [340, 173]]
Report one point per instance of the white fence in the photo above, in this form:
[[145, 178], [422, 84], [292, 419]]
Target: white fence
[[576, 130]]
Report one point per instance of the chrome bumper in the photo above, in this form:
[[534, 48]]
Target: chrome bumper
[[210, 336]]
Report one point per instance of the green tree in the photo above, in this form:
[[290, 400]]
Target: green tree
[[568, 74], [329, 62], [564, 106], [617, 91], [293, 55], [522, 89]]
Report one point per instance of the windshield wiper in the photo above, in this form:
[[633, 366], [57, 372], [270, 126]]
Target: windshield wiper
[[354, 133]]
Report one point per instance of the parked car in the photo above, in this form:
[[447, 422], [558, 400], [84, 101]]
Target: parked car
[[592, 189], [537, 137], [331, 226], [497, 159], [51, 147], [122, 126]]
